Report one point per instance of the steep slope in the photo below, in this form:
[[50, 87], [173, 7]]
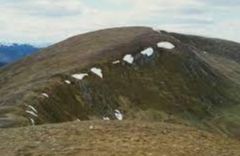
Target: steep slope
[[183, 81]]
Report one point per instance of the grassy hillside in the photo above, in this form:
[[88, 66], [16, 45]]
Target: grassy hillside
[[195, 84], [126, 138]]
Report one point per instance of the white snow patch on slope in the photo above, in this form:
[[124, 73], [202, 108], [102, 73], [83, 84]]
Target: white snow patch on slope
[[78, 120], [97, 71], [45, 95], [156, 29], [165, 45], [106, 118], [148, 52], [79, 76], [128, 58], [32, 113], [67, 82], [118, 114], [32, 121], [32, 108], [116, 62], [8, 44]]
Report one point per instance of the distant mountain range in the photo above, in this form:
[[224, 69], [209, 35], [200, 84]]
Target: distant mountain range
[[2, 64], [12, 52]]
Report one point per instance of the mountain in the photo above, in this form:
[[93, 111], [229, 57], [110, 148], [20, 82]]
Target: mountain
[[135, 74], [2, 64], [12, 52]]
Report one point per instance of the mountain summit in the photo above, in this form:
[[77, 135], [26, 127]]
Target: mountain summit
[[130, 73]]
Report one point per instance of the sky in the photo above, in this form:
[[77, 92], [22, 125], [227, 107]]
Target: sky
[[42, 22]]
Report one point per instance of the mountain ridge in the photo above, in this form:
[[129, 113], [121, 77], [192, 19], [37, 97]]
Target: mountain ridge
[[186, 84]]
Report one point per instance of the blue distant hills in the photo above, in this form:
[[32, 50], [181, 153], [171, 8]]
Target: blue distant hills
[[2, 64], [13, 52]]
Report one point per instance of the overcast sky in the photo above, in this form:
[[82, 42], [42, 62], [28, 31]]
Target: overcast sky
[[49, 21]]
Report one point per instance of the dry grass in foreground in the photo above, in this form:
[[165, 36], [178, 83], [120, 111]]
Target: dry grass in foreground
[[114, 138]]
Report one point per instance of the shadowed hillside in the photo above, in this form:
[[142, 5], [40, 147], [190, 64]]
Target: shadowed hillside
[[132, 73]]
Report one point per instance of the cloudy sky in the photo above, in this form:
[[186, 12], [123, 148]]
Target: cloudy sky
[[49, 21]]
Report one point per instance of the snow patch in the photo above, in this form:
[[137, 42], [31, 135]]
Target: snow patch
[[97, 71], [116, 62], [118, 114], [7, 44], [32, 121], [91, 127], [148, 52], [32, 113], [165, 45], [156, 29], [128, 58], [32, 108], [106, 118], [204, 52], [67, 82], [79, 76], [45, 95]]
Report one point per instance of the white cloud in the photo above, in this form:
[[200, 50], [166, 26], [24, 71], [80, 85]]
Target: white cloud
[[52, 21]]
